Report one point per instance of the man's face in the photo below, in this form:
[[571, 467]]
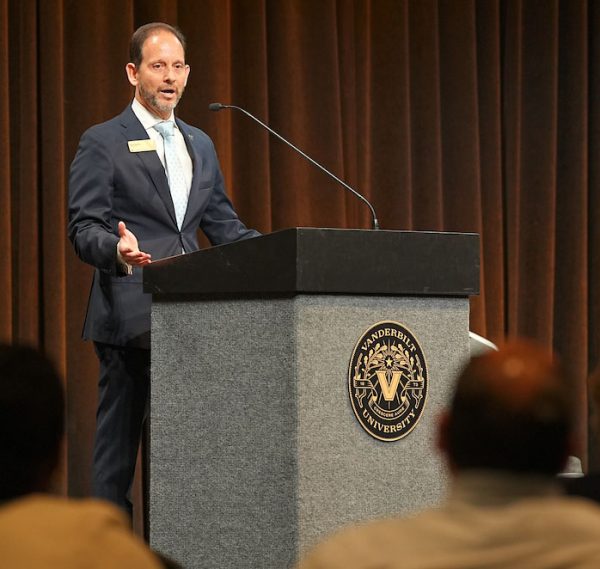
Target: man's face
[[160, 78]]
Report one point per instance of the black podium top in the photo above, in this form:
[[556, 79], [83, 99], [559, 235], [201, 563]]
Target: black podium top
[[325, 261]]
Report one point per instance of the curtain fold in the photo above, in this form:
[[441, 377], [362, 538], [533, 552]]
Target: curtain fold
[[6, 237], [455, 115]]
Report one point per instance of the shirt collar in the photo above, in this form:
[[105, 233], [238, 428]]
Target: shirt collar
[[147, 119]]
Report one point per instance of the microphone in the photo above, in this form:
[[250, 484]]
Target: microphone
[[219, 106]]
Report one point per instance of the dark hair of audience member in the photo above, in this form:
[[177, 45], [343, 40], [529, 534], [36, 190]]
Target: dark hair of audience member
[[593, 390], [31, 421], [511, 411], [140, 35]]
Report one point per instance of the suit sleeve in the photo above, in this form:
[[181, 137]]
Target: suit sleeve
[[90, 205]]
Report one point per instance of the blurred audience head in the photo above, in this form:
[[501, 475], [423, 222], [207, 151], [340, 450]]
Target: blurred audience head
[[31, 421], [593, 386], [511, 411]]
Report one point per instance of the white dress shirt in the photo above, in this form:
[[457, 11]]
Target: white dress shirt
[[148, 121]]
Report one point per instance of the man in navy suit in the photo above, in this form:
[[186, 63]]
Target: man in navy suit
[[140, 186]]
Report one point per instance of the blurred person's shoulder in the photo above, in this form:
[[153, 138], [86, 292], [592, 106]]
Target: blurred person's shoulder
[[49, 531], [454, 535], [561, 513], [368, 544]]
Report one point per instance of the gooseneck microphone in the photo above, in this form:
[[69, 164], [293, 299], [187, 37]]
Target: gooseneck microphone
[[219, 106]]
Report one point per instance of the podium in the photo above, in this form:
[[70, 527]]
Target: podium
[[257, 449]]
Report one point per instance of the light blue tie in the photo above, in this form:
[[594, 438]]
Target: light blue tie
[[179, 189]]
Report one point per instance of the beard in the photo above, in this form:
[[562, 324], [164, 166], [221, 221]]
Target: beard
[[151, 99]]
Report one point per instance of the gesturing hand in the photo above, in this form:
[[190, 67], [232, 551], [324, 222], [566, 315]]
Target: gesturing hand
[[128, 248]]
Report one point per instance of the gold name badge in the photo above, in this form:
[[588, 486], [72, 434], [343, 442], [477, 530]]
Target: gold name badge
[[145, 145]]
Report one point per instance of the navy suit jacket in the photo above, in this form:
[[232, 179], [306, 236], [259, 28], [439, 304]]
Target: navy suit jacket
[[109, 183]]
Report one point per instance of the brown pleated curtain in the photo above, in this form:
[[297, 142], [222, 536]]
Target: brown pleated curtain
[[456, 115]]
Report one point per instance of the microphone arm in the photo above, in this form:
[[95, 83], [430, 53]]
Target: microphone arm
[[219, 106]]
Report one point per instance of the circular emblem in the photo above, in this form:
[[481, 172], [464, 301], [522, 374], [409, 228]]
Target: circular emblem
[[387, 381]]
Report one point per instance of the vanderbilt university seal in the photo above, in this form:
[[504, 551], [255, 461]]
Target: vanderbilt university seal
[[387, 381]]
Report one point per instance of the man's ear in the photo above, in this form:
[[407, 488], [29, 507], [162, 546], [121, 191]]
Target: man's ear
[[443, 439], [443, 427], [131, 71]]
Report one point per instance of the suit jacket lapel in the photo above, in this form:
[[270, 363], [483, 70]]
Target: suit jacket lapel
[[133, 130]]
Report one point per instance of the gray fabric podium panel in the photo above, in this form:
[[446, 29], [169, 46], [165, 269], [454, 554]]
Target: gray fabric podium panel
[[252, 463]]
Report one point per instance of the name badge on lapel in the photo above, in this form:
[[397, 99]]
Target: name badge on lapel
[[145, 145]]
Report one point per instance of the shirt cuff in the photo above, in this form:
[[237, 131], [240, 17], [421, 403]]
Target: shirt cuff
[[125, 267]]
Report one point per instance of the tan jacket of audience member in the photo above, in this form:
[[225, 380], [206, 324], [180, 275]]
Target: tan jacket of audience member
[[55, 533], [490, 521]]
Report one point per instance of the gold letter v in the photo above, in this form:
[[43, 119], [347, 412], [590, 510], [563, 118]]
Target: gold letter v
[[388, 390]]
